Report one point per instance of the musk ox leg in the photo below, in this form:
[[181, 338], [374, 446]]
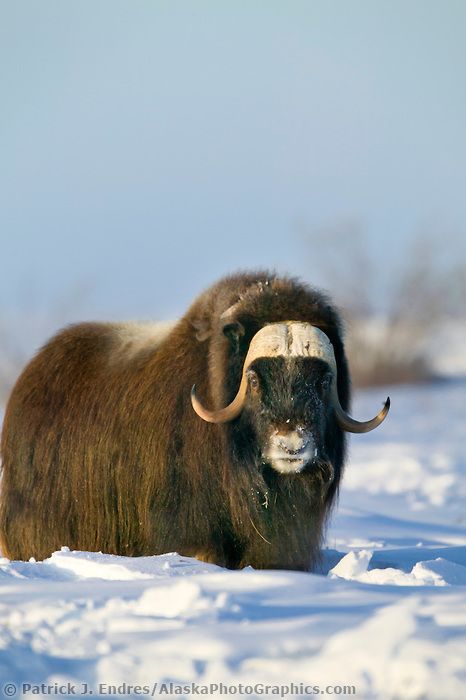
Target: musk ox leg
[[210, 557], [207, 555], [21, 530], [265, 560]]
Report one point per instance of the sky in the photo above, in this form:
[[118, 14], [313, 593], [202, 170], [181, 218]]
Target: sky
[[149, 147]]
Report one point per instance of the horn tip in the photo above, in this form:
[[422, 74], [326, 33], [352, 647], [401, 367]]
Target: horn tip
[[387, 403]]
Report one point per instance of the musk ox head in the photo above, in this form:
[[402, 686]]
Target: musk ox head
[[288, 390]]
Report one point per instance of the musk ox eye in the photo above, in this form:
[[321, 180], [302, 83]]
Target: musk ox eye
[[253, 380], [326, 381]]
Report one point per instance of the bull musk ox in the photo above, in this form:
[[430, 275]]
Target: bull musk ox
[[102, 450]]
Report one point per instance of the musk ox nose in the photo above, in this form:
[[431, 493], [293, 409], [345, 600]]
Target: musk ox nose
[[289, 450], [292, 441]]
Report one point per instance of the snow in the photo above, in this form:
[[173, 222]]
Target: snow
[[386, 613]]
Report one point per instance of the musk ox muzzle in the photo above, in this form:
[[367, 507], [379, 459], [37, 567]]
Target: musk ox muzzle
[[290, 339]]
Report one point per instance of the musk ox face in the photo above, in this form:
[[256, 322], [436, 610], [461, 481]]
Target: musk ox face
[[289, 386], [288, 404]]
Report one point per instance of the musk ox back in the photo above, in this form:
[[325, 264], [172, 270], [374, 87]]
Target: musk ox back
[[102, 450]]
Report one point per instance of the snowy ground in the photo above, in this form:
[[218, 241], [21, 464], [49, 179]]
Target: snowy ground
[[387, 614]]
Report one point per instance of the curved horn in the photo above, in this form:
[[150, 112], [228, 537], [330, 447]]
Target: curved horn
[[267, 342], [315, 343], [224, 414], [354, 426]]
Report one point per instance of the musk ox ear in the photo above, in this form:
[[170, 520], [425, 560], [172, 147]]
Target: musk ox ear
[[233, 331], [202, 328]]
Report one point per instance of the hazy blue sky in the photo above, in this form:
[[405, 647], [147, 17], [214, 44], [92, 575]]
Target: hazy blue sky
[[148, 147]]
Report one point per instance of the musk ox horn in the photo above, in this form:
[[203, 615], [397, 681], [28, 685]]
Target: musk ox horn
[[311, 341], [266, 343], [355, 426], [224, 414], [289, 339]]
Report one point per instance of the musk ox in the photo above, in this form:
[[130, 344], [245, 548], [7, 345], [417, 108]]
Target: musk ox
[[102, 450]]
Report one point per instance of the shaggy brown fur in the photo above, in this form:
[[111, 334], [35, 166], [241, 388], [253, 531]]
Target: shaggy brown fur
[[102, 450]]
